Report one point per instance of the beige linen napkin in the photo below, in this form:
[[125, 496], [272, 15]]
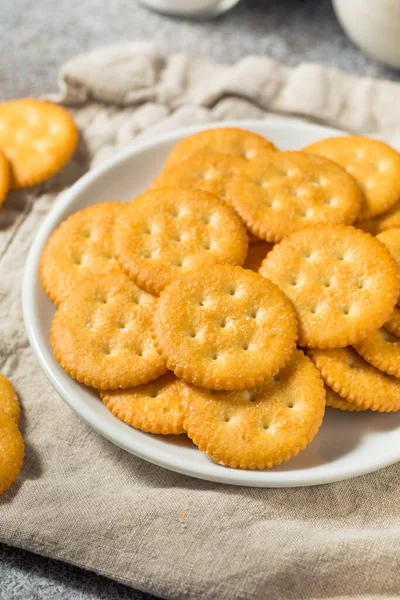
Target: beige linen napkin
[[85, 501]]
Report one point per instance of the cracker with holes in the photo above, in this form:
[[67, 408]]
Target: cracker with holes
[[8, 399], [38, 139], [208, 172], [11, 451], [4, 177], [382, 350], [224, 327], [256, 254], [391, 239], [335, 401], [356, 381], [79, 248], [100, 334], [164, 233], [259, 428], [374, 165], [153, 407], [222, 140], [342, 282], [288, 191], [393, 322]]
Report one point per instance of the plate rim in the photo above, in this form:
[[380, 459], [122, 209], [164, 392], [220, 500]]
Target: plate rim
[[242, 478]]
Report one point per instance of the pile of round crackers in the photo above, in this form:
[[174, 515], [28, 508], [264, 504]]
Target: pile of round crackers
[[239, 295]]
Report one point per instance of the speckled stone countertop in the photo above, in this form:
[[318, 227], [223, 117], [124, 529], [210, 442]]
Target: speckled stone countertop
[[36, 38]]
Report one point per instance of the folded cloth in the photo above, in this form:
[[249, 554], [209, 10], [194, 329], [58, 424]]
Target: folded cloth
[[83, 500]]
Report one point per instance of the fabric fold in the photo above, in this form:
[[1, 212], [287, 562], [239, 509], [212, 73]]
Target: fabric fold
[[133, 73]]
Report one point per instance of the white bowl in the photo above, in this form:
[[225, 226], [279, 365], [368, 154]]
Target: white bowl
[[374, 25], [347, 445]]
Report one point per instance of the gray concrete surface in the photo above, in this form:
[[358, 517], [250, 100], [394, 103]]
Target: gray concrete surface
[[36, 38]]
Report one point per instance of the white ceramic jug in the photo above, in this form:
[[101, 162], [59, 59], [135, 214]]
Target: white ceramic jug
[[374, 25]]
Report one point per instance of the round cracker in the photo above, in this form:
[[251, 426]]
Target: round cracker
[[5, 177], [288, 191], [258, 428], [164, 233], [11, 452], [256, 254], [224, 140], [388, 220], [391, 239], [79, 248], [393, 322], [38, 139], [374, 165], [207, 172], [335, 401], [8, 399], [224, 327], [342, 282], [382, 350], [153, 407], [357, 381], [100, 334]]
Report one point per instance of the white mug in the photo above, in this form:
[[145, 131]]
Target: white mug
[[374, 25]]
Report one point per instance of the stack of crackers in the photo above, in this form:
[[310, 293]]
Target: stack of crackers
[[239, 295]]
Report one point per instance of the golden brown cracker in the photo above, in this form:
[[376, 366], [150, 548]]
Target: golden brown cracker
[[8, 399], [335, 401], [224, 327], [391, 239], [5, 177], [164, 233], [374, 165], [341, 281], [256, 254], [356, 381], [38, 139], [288, 191], [387, 220], [382, 350], [393, 322], [152, 407], [11, 452], [257, 428], [100, 334], [207, 172], [222, 140], [79, 248]]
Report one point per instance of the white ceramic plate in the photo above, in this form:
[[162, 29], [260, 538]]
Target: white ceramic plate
[[347, 444]]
